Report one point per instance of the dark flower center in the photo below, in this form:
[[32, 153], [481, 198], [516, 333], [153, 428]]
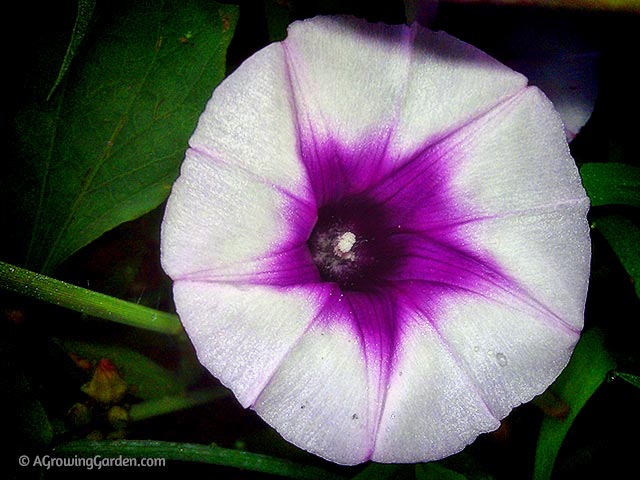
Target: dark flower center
[[351, 244]]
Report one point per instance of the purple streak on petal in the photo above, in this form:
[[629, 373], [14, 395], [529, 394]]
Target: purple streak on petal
[[337, 171], [417, 192], [374, 318]]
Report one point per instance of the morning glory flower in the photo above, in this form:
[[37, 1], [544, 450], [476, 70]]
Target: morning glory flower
[[378, 240]]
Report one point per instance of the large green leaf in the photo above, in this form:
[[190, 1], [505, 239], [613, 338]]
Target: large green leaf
[[108, 145], [577, 383]]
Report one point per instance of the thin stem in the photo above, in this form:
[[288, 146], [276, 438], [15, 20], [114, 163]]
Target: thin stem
[[190, 452], [47, 289]]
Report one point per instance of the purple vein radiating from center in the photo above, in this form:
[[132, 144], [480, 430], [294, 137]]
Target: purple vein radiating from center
[[415, 227]]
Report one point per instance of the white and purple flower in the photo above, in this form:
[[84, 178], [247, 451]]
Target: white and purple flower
[[378, 240]]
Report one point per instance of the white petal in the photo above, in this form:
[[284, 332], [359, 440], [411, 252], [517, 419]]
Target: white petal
[[546, 253], [320, 397], [219, 216], [347, 75], [524, 203], [432, 409], [249, 122], [449, 83], [515, 159], [242, 333], [492, 338]]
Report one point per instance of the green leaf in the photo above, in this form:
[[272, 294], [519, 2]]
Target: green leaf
[[150, 379], [611, 183], [624, 237], [83, 19], [108, 147], [435, 471], [189, 452], [577, 383]]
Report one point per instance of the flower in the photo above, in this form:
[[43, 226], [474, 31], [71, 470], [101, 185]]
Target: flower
[[378, 240]]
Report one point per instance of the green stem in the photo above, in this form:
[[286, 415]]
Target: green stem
[[170, 404], [189, 452], [47, 289]]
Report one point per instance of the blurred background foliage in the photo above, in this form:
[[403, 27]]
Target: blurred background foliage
[[100, 99]]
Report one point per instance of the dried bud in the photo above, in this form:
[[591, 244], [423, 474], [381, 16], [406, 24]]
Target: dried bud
[[106, 386]]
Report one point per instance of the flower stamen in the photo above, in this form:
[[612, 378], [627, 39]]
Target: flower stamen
[[344, 245]]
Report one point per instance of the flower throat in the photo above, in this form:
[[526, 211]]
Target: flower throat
[[350, 244]]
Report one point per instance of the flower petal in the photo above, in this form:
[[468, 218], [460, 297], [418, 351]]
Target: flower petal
[[491, 337], [432, 408], [361, 89], [249, 226], [327, 394], [528, 212], [242, 333], [546, 254], [512, 160], [319, 397], [454, 82], [250, 123]]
